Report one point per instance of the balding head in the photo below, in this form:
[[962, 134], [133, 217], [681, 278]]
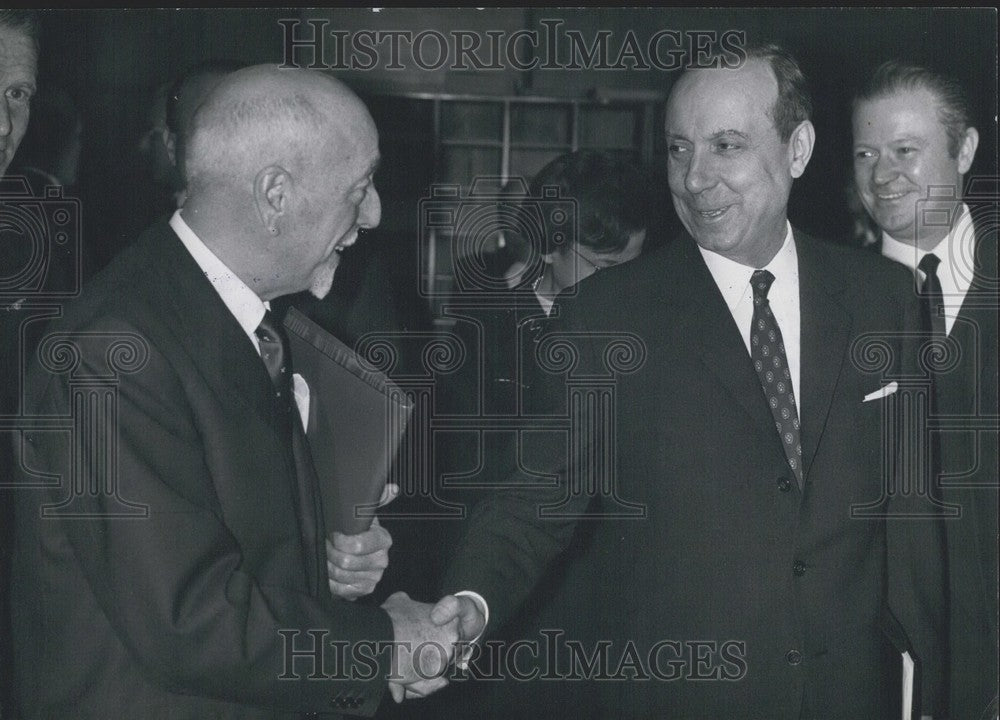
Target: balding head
[[262, 115], [280, 166]]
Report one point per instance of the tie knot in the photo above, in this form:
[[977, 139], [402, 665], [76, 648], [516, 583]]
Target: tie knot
[[274, 351], [761, 281], [268, 329], [929, 264]]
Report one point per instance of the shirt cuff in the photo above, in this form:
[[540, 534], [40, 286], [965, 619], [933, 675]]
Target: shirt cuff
[[462, 662]]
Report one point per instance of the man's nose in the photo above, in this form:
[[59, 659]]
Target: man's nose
[[885, 169], [699, 175], [6, 123], [371, 209]]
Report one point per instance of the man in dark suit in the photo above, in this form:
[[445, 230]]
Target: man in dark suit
[[750, 548], [169, 557], [913, 145]]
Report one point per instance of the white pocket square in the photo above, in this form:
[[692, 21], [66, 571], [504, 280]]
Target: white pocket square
[[882, 392]]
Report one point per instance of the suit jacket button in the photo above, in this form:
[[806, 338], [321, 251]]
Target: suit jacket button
[[799, 568], [794, 657], [784, 484]]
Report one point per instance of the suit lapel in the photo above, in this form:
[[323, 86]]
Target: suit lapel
[[231, 366], [707, 321], [825, 331], [210, 333]]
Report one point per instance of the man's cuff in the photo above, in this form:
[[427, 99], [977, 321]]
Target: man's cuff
[[462, 663]]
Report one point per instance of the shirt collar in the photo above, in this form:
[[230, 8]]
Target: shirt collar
[[955, 250], [733, 278], [243, 303]]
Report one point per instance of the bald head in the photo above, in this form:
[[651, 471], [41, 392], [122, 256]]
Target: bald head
[[280, 177], [261, 116]]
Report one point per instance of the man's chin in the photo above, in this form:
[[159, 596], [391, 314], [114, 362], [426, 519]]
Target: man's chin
[[323, 281]]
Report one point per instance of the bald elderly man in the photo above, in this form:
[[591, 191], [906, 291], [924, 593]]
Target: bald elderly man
[[195, 582]]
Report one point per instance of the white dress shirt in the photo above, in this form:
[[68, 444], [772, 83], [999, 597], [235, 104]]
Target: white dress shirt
[[956, 251], [733, 280], [242, 302]]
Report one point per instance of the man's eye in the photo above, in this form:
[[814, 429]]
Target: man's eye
[[863, 154], [726, 146], [19, 94], [907, 150]]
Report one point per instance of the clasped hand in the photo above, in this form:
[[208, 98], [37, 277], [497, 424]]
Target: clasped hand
[[427, 638], [355, 563]]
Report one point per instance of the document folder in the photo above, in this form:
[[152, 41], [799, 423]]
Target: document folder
[[357, 417]]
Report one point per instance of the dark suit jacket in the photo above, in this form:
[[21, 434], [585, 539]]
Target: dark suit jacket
[[969, 463], [177, 614], [788, 590]]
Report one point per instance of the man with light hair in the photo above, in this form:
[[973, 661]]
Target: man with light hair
[[914, 143], [214, 596]]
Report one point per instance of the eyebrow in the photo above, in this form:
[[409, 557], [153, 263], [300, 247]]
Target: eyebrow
[[723, 133], [714, 136]]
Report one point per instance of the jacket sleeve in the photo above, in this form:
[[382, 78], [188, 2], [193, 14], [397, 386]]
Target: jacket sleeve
[[517, 529]]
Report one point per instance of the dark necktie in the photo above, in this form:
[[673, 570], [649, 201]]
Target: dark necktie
[[274, 353], [277, 359], [931, 302], [932, 299], [767, 350]]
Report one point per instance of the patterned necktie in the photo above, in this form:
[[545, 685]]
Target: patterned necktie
[[767, 350], [931, 296], [277, 359], [274, 353]]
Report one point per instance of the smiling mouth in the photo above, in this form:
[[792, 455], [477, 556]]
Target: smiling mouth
[[890, 197], [712, 214]]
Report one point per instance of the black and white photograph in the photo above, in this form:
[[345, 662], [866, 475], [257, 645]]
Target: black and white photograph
[[520, 363]]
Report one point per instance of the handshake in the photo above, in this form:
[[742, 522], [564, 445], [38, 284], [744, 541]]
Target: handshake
[[426, 637]]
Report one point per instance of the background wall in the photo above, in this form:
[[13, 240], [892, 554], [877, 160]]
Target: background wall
[[112, 60]]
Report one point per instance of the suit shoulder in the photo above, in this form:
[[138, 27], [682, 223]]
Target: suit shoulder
[[859, 268], [122, 288]]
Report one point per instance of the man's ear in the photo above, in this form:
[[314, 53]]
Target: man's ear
[[967, 150], [272, 190], [800, 147]]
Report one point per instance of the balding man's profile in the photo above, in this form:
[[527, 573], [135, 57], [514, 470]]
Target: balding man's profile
[[194, 582]]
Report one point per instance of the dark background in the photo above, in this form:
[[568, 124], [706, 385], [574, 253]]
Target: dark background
[[112, 60]]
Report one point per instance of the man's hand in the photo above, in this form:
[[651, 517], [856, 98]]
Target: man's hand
[[423, 648], [355, 563], [465, 610]]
